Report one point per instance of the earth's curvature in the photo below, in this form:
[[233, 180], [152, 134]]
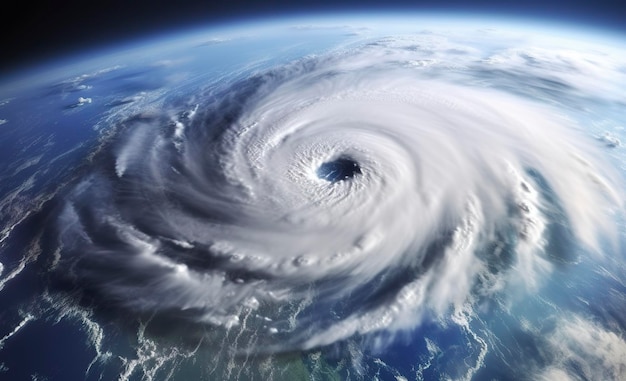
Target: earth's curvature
[[355, 199]]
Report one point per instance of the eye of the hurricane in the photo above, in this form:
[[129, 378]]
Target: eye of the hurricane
[[343, 168]]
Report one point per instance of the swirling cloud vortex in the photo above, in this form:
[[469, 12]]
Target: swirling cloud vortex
[[218, 215]]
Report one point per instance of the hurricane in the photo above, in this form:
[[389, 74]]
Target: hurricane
[[334, 196], [359, 198]]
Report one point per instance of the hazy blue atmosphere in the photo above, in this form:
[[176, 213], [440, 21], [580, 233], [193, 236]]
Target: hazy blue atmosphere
[[45, 29]]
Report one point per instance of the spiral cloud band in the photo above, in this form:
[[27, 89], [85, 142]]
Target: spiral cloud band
[[338, 195]]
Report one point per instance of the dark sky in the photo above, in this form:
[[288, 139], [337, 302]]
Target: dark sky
[[34, 31]]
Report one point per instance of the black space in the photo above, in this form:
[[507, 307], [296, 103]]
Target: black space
[[45, 29]]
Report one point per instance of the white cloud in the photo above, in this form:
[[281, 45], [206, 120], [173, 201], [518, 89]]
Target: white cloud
[[577, 343]]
